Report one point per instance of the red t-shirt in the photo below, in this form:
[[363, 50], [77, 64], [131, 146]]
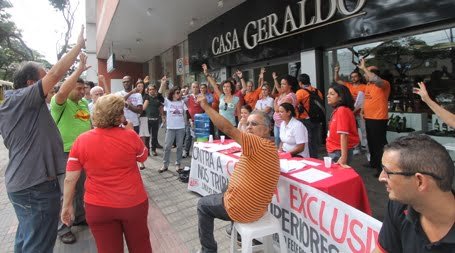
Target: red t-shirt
[[342, 122], [109, 156], [193, 106]]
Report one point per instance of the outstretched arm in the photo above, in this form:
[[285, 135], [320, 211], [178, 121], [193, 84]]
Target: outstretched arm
[[277, 85], [219, 121], [372, 77], [446, 116], [70, 83], [336, 76], [57, 72], [211, 80]]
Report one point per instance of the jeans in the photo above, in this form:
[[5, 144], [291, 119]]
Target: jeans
[[335, 155], [209, 208], [314, 137], [78, 202], [154, 126], [171, 136], [188, 139], [37, 210], [276, 135]]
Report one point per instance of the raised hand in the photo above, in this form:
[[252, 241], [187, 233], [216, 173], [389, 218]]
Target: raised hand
[[362, 65], [80, 38], [205, 69], [421, 91], [83, 62], [274, 75], [239, 73]]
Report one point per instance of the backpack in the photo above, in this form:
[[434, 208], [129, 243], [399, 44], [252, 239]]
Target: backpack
[[316, 110]]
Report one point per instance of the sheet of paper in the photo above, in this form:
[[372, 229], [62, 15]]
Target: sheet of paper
[[311, 163], [290, 165], [360, 99], [215, 147], [311, 175]]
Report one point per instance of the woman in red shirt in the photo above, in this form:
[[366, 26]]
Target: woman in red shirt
[[116, 203], [343, 135]]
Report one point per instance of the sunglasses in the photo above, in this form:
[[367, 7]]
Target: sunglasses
[[225, 106], [253, 123]]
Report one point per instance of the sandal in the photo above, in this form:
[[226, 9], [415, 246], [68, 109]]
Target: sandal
[[163, 169]]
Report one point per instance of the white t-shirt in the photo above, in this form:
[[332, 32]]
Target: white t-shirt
[[261, 104], [135, 99], [175, 114], [292, 134]]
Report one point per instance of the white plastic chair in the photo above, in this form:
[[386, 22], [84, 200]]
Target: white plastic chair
[[264, 228]]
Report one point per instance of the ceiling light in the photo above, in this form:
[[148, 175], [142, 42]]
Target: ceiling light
[[149, 11], [220, 3], [192, 21]]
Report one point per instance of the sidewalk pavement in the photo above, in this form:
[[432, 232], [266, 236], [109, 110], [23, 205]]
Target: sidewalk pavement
[[172, 210]]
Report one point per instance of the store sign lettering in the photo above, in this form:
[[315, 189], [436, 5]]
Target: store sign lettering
[[266, 28]]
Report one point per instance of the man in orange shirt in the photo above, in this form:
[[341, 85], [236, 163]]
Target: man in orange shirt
[[355, 86], [312, 125], [252, 183], [375, 112]]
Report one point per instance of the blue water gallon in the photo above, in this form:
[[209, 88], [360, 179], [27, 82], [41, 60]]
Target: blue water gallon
[[202, 126]]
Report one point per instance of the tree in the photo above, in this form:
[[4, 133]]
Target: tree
[[13, 49], [67, 11]]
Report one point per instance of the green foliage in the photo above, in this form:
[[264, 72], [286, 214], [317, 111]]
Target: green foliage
[[59, 4], [13, 49]]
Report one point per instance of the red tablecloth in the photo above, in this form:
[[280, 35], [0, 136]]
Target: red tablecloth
[[345, 184]]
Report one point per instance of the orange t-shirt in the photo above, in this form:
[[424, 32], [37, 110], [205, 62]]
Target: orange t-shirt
[[354, 89], [252, 97], [375, 106], [254, 180], [303, 97]]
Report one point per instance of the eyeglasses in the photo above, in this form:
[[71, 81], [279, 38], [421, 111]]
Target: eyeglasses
[[177, 92], [409, 174], [253, 123]]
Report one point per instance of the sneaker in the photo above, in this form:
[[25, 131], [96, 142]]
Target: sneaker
[[185, 154], [68, 238], [163, 169]]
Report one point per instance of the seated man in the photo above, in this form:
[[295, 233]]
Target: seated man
[[253, 181], [419, 177]]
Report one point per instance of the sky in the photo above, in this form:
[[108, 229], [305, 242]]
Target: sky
[[42, 25]]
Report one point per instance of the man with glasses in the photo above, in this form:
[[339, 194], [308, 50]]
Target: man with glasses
[[133, 102], [419, 177], [252, 183], [95, 93]]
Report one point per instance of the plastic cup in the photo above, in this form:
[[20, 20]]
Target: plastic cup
[[210, 138], [222, 137], [327, 161]]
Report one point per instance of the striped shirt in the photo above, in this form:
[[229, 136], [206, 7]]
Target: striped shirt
[[254, 180]]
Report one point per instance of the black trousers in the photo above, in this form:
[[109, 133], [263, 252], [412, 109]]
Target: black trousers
[[377, 139], [154, 126]]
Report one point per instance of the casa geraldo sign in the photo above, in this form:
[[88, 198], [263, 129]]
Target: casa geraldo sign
[[267, 28]]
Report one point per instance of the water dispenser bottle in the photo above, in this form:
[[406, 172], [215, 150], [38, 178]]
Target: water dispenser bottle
[[202, 127]]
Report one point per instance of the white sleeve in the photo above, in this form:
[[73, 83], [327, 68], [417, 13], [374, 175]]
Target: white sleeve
[[300, 133]]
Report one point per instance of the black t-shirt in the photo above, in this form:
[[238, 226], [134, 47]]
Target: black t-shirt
[[401, 232], [153, 109]]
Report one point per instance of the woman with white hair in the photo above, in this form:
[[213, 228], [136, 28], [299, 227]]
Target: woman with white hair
[[95, 93]]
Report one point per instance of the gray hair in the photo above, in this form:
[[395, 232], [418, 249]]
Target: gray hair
[[265, 117]]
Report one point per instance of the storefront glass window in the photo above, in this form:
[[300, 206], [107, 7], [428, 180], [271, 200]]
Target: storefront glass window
[[404, 61]]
